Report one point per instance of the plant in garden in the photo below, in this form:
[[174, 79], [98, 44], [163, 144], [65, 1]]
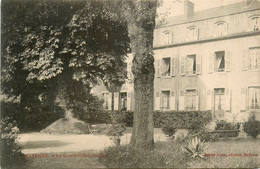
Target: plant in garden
[[11, 155], [169, 127], [115, 131], [224, 125], [252, 127], [195, 148]]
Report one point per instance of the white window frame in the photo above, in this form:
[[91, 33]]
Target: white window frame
[[167, 107], [168, 37]]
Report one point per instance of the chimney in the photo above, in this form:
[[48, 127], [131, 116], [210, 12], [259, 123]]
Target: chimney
[[188, 8]]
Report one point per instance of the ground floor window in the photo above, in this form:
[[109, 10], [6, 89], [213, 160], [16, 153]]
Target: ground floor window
[[190, 100], [165, 100], [105, 98], [219, 101], [123, 101], [254, 97]]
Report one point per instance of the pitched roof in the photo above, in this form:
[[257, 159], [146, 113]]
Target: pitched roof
[[213, 12]]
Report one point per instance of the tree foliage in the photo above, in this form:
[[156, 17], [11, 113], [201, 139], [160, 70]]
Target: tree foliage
[[50, 48]]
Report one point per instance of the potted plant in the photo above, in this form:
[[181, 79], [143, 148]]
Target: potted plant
[[115, 131]]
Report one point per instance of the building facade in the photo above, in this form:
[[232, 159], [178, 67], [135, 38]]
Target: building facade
[[206, 60]]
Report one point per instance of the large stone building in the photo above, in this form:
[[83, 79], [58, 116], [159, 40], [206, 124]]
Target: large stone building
[[205, 60]]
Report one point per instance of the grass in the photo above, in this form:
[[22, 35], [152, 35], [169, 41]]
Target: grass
[[168, 155]]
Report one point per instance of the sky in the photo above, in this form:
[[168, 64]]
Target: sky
[[175, 7]]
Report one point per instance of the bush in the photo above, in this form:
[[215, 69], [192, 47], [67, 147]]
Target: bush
[[11, 155], [192, 120], [224, 125], [169, 127], [194, 149], [206, 136], [252, 127]]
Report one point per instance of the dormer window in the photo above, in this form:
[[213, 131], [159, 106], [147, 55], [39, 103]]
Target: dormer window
[[220, 28], [168, 37], [254, 23], [192, 33]]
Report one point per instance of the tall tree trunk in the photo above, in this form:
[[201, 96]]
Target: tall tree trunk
[[141, 30]]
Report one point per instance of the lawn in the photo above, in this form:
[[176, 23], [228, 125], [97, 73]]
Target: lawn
[[221, 154]]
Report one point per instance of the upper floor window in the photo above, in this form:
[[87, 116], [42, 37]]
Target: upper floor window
[[105, 99], [219, 61], [220, 28], [192, 33], [254, 58], [166, 66], [168, 37], [191, 64]]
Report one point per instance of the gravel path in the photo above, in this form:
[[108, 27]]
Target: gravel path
[[48, 143]]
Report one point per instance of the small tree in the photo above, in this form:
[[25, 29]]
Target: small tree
[[252, 127]]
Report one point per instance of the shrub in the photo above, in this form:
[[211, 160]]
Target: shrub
[[194, 149], [206, 136], [224, 125], [169, 127], [11, 155], [192, 120], [115, 131], [252, 127]]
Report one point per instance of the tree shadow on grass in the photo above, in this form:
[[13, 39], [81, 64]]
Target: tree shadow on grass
[[43, 144]]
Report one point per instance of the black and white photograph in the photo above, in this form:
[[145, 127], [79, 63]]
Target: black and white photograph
[[130, 84]]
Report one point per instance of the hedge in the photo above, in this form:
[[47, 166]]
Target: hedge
[[193, 120]]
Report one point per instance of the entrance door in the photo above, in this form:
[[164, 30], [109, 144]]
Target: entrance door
[[219, 102]]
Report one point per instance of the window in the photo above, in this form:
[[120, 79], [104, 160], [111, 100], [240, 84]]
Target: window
[[105, 98], [193, 33], [255, 23], [254, 58], [254, 97], [220, 28], [165, 67], [191, 64], [219, 100], [219, 61], [190, 100], [165, 100], [168, 37], [123, 101]]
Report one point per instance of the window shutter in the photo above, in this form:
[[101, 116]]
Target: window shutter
[[227, 99], [181, 100], [211, 63], [157, 101], [198, 64], [214, 63], [197, 101], [172, 100], [248, 59], [109, 101], [209, 99], [244, 60], [243, 100], [214, 30], [129, 100], [226, 29], [247, 99], [158, 65], [186, 64], [228, 63], [182, 65], [197, 34], [172, 66], [116, 95], [161, 68]]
